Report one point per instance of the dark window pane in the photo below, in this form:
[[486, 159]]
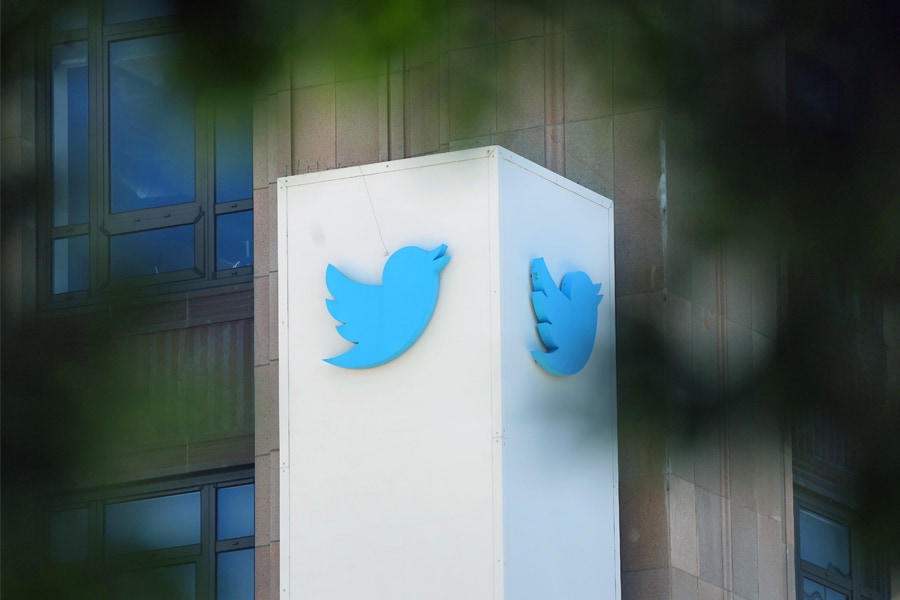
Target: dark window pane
[[69, 15], [69, 534], [151, 524], [70, 264], [151, 122], [816, 591], [234, 155], [824, 543], [120, 11], [177, 582], [234, 512], [234, 240], [151, 252], [234, 575], [70, 133]]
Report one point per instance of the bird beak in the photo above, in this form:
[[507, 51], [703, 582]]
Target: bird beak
[[439, 257]]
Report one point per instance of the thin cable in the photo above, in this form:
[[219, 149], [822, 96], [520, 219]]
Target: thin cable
[[374, 216]]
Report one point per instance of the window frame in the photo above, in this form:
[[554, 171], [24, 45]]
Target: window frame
[[102, 223], [203, 554], [854, 586]]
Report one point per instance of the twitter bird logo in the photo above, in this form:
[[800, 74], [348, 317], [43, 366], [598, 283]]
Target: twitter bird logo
[[385, 320], [567, 318]]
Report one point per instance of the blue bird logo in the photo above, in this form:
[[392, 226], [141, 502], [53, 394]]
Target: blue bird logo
[[567, 318], [385, 320]]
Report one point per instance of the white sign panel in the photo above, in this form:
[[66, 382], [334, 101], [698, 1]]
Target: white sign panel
[[440, 318]]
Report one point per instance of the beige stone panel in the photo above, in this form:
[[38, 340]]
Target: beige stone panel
[[641, 454], [637, 165], [274, 496], [708, 460], [470, 23], [554, 148], [589, 156], [681, 455], [739, 359], [581, 14], [273, 315], [678, 336], [262, 580], [770, 476], [709, 537], [309, 69], [260, 143], [267, 572], [357, 120], [650, 584], [422, 111], [683, 525], [261, 311], [520, 84], [265, 383], [554, 79], [739, 260], [708, 591], [643, 523], [704, 276], [279, 135], [473, 92], [314, 129], [396, 101], [772, 559], [763, 352], [262, 259], [517, 20], [765, 292], [638, 80], [475, 142], [263, 499], [742, 445], [639, 264], [705, 342], [528, 143], [684, 585], [679, 246], [744, 553], [588, 74], [272, 222]]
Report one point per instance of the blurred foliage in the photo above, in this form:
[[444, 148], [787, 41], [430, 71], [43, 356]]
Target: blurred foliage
[[778, 161]]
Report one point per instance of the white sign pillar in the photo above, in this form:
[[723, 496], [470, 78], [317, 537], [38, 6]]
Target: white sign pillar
[[460, 469]]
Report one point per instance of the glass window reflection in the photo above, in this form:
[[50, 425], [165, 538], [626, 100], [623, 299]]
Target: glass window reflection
[[71, 264], [234, 240], [816, 591], [234, 151], [235, 575], [234, 512], [151, 252], [69, 95], [824, 543], [151, 126], [151, 524]]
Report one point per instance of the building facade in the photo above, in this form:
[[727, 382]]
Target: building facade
[[140, 293]]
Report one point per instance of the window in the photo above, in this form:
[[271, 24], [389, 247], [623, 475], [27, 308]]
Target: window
[[832, 562], [192, 542], [148, 183]]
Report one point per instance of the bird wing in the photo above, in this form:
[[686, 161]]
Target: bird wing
[[548, 301], [355, 304]]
